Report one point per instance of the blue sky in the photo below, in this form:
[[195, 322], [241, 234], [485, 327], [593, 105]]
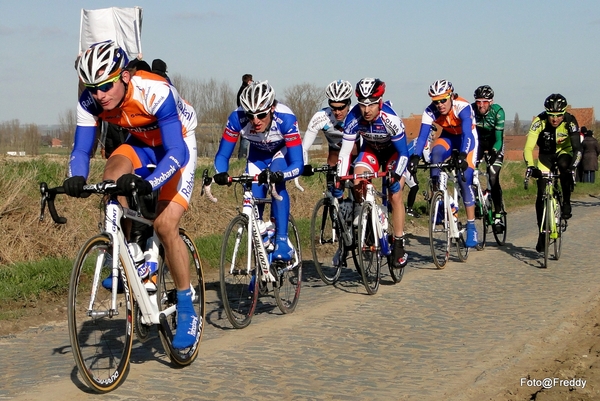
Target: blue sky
[[524, 49]]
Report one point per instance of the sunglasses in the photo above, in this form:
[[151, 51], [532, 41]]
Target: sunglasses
[[556, 115], [441, 101], [260, 115], [104, 86], [339, 108]]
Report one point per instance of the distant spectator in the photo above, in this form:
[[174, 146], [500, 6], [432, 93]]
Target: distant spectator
[[137, 64], [243, 149], [579, 171], [160, 67], [591, 151]]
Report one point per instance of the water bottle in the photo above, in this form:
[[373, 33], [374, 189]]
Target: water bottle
[[383, 218], [151, 257], [136, 253]]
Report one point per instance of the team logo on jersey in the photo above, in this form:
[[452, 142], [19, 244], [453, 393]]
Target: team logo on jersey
[[371, 159]]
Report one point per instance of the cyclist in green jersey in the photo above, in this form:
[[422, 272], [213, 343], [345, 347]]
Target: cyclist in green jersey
[[489, 120], [556, 133]]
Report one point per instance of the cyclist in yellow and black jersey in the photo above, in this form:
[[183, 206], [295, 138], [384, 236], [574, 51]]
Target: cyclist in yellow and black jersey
[[556, 133]]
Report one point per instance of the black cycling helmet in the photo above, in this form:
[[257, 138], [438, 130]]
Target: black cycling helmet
[[555, 103], [484, 92], [369, 90]]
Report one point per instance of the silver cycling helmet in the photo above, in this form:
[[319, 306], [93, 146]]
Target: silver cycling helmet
[[101, 62], [339, 91], [440, 89], [257, 97]]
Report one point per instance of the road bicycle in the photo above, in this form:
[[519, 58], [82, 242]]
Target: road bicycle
[[553, 224], [332, 236], [374, 243], [447, 228], [102, 321], [484, 210], [247, 268]]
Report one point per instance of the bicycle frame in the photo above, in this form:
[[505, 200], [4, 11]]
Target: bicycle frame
[[450, 224], [551, 183]]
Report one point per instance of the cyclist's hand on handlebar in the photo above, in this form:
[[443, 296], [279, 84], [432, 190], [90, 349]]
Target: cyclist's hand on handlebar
[[462, 162], [222, 178], [128, 182], [492, 156], [73, 186], [533, 172], [413, 162], [308, 170], [266, 176], [276, 177]]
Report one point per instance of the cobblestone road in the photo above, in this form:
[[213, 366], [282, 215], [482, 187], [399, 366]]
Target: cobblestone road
[[433, 336]]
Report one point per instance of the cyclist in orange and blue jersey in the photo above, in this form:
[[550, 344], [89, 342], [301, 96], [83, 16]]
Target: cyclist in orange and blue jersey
[[556, 133], [383, 146], [274, 152], [161, 126], [455, 115]]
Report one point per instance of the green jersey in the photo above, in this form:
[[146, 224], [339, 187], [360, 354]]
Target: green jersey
[[490, 127]]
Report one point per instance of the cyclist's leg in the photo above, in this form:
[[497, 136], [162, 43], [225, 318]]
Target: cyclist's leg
[[494, 177], [281, 210], [257, 162], [399, 255], [173, 201], [566, 181]]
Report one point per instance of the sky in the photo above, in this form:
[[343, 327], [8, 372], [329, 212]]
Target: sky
[[524, 49]]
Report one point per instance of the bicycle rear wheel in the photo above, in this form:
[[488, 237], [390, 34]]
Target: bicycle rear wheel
[[101, 337], [326, 242], [239, 289], [501, 236], [462, 251], [167, 297], [481, 222], [439, 236], [289, 274], [369, 254]]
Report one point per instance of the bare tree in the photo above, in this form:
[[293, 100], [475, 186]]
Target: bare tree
[[304, 100], [31, 139], [517, 124], [68, 122]]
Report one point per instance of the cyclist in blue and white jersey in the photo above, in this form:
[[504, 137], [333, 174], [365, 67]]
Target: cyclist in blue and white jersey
[[384, 145], [330, 120], [274, 143]]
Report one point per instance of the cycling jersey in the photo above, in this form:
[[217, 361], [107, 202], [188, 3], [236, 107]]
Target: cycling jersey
[[283, 135], [384, 131], [563, 139], [490, 127], [459, 121], [152, 112], [324, 121]]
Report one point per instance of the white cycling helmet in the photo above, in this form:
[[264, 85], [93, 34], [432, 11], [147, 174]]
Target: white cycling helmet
[[440, 89], [257, 97], [101, 62], [339, 91]]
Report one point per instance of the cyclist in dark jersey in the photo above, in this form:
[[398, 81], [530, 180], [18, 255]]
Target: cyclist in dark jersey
[[489, 121], [556, 133]]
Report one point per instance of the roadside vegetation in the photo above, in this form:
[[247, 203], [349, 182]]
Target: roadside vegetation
[[36, 256]]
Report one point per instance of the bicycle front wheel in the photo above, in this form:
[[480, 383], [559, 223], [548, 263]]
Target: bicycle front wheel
[[239, 289], [101, 333], [326, 242], [369, 254], [167, 298], [439, 236], [560, 223], [289, 274], [548, 217]]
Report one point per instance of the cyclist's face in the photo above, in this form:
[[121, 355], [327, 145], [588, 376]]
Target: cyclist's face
[[113, 97], [444, 105], [339, 110], [369, 112], [261, 124], [483, 106], [556, 119]]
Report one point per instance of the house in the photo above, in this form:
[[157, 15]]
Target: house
[[56, 143]]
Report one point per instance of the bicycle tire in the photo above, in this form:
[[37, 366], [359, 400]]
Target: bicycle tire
[[559, 225], [289, 274], [369, 254], [167, 297], [439, 236], [548, 216], [238, 296], [481, 222], [501, 237], [101, 343], [323, 243], [397, 273], [462, 251]]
